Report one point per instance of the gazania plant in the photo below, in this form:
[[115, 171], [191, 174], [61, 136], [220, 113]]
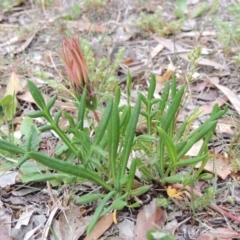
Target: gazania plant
[[106, 158]]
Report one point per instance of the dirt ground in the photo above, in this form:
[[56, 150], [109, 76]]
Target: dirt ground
[[31, 34]]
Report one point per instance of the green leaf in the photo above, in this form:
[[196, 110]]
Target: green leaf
[[181, 8], [131, 176], [151, 88], [57, 117], [99, 210], [102, 126], [43, 177], [36, 94], [174, 179], [51, 103], [118, 95], [69, 168], [143, 98], [146, 171], [130, 134], [6, 100], [90, 197], [125, 117], [140, 191], [10, 109], [82, 109], [145, 138], [11, 147], [164, 97], [113, 141], [31, 139], [119, 204], [70, 119], [190, 161], [206, 176], [36, 114], [169, 116], [172, 153], [196, 136]]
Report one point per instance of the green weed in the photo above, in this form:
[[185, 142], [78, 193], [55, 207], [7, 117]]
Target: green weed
[[228, 33], [155, 23]]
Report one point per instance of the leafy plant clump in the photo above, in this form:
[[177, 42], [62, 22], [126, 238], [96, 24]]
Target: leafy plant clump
[[104, 159]]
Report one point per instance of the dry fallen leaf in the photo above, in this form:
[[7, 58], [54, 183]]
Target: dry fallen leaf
[[156, 50], [4, 232], [229, 94], [101, 227], [150, 217], [24, 218], [220, 233], [71, 224], [194, 150], [167, 75], [14, 85], [207, 108], [220, 164], [8, 178], [175, 48]]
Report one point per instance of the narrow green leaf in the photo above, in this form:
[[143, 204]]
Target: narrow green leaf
[[140, 191], [119, 204], [36, 114], [146, 172], [7, 146], [143, 98], [196, 136], [152, 87], [180, 132], [172, 153], [70, 119], [174, 179], [164, 97], [57, 117], [125, 117], [69, 168], [130, 134], [113, 141], [36, 94], [129, 87], [118, 95], [6, 100], [144, 114], [145, 138], [37, 177], [206, 176], [82, 109], [190, 161], [169, 116], [131, 176], [90, 197], [50, 103], [99, 210], [45, 128], [102, 126]]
